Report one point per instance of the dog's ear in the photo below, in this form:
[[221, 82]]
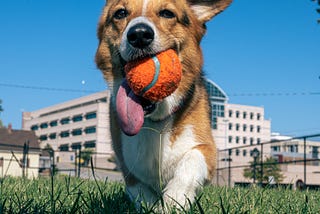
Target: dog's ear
[[207, 9]]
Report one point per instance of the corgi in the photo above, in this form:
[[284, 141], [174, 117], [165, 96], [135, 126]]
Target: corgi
[[173, 154]]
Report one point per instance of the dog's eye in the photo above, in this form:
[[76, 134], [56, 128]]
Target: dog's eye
[[120, 14], [167, 14]]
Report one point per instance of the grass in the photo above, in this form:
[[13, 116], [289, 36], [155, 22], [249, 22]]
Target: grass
[[72, 195]]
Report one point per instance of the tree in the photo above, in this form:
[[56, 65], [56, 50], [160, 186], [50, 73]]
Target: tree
[[1, 110], [86, 156], [318, 9], [270, 168]]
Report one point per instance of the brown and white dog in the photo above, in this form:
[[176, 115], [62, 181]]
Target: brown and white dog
[[173, 154]]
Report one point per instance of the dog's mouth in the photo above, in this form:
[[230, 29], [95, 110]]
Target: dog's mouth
[[131, 109]]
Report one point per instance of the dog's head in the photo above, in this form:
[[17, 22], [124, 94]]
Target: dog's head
[[130, 29]]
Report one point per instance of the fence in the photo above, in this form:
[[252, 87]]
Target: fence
[[31, 162], [293, 162]]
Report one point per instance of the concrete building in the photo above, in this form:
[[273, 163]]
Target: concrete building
[[235, 125], [81, 123], [288, 149], [19, 153]]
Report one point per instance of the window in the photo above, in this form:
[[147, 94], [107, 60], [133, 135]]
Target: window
[[251, 128], [230, 113], [44, 125], [64, 134], [244, 115], [258, 129], [244, 127], [230, 139], [258, 116], [53, 136], [65, 121], [237, 114], [90, 130], [77, 118], [244, 153], [275, 148], [76, 132], [53, 123], [230, 126], [34, 127], [237, 139], [251, 116], [90, 144], [237, 152], [244, 140], [91, 115], [251, 140], [64, 147], [237, 127], [43, 137], [76, 146], [258, 140]]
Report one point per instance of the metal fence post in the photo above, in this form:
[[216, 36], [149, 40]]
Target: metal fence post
[[79, 164], [305, 160], [261, 165]]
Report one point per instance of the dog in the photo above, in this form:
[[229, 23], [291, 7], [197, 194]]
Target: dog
[[173, 155]]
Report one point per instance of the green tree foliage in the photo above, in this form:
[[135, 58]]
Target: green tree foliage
[[318, 9], [86, 156], [1, 110], [270, 168]]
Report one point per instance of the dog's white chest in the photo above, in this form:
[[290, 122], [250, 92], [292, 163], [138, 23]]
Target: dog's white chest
[[152, 157]]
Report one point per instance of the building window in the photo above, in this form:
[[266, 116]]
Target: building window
[[76, 146], [251, 140], [230, 113], [237, 114], [258, 116], [251, 116], [244, 115], [64, 134], [53, 136], [90, 130], [44, 125], [237, 139], [244, 153], [251, 128], [91, 115], [53, 123], [64, 147], [90, 144], [77, 118], [237, 127], [275, 148], [237, 152], [230, 126], [34, 127], [65, 121], [258, 129], [258, 140], [230, 139], [244, 127], [76, 132], [244, 140], [43, 137]]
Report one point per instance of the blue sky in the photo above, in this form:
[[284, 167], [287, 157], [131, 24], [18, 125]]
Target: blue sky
[[261, 53]]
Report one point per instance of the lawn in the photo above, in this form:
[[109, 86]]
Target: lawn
[[72, 195]]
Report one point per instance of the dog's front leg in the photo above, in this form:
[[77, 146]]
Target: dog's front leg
[[190, 174]]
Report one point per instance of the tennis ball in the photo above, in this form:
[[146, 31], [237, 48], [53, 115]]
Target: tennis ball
[[156, 77]]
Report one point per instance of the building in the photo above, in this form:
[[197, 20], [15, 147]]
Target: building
[[235, 125], [19, 153], [291, 151], [81, 123]]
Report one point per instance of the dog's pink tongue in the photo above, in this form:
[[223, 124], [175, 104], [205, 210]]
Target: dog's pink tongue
[[129, 109]]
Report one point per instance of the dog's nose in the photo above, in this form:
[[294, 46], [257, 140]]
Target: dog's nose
[[140, 35]]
